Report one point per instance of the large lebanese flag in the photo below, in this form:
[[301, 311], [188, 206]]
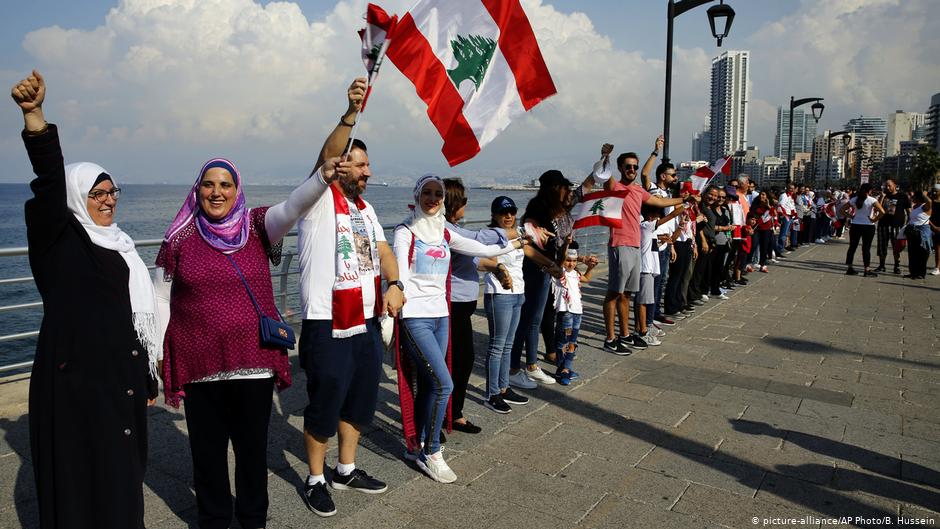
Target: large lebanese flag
[[704, 175], [601, 208], [475, 63]]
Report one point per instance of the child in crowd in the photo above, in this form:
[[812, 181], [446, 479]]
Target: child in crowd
[[568, 310], [652, 219]]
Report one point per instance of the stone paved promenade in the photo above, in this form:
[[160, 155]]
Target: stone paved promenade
[[808, 395]]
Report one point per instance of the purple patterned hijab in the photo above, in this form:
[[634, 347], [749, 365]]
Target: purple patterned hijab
[[227, 235]]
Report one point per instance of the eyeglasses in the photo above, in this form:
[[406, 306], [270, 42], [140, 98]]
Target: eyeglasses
[[99, 195], [630, 166]]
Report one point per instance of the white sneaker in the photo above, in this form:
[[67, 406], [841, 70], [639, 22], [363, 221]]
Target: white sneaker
[[656, 331], [520, 380], [774, 261], [538, 376], [820, 241], [722, 296], [435, 467], [650, 339], [936, 272], [704, 297]]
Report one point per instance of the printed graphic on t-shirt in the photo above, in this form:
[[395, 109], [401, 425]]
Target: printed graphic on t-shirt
[[362, 242], [431, 259], [891, 205]]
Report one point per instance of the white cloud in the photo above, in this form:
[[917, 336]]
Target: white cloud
[[176, 81]]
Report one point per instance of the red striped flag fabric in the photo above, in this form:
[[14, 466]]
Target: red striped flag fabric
[[704, 175], [601, 208], [475, 63], [375, 41]]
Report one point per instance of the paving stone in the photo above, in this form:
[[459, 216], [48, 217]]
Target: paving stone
[[745, 397], [616, 513], [741, 479], [794, 422], [633, 483], [887, 442], [855, 416], [880, 486], [674, 382], [823, 501], [733, 510]]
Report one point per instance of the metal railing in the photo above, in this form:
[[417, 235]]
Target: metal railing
[[591, 241]]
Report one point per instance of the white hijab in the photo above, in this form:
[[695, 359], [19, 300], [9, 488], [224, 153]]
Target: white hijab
[[426, 228], [79, 179]]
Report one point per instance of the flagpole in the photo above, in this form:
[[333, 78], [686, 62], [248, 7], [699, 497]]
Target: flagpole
[[369, 84]]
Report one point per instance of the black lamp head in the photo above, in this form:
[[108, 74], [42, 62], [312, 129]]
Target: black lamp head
[[720, 18]]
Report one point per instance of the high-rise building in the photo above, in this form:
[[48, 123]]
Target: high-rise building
[[730, 95], [747, 162], [701, 144], [804, 130], [902, 127], [932, 123], [773, 173], [830, 155], [870, 134]]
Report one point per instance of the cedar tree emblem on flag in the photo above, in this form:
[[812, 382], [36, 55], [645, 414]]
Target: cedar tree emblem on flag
[[473, 55], [443, 46], [601, 208]]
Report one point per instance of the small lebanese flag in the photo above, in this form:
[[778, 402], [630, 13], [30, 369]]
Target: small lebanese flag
[[475, 63], [375, 42], [704, 175], [601, 208]]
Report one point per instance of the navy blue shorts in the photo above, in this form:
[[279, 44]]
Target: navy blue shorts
[[342, 376]]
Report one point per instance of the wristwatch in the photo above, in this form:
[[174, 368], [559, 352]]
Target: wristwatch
[[397, 283]]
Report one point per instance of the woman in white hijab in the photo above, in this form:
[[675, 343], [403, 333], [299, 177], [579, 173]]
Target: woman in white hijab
[[423, 249], [94, 371]]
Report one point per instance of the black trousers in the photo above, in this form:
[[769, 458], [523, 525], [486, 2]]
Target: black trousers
[[766, 242], [700, 276], [864, 233], [461, 350], [886, 237], [917, 256], [216, 413], [717, 269], [674, 298]]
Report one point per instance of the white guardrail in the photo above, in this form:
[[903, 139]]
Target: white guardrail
[[591, 241]]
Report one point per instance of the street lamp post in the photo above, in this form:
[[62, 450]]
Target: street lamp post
[[720, 18], [829, 150], [817, 113]]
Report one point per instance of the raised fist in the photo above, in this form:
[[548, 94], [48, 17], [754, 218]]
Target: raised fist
[[30, 92]]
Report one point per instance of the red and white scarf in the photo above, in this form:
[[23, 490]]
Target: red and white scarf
[[348, 305]]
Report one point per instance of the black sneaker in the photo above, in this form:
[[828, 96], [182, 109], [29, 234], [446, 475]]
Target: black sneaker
[[514, 398], [358, 480], [897, 270], [318, 500], [851, 272], [869, 274], [497, 404], [635, 341], [614, 346]]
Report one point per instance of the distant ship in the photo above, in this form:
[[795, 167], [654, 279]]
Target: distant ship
[[531, 186]]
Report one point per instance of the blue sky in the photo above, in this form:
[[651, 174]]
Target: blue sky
[[143, 92]]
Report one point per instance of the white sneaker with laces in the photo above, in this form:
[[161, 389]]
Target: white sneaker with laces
[[774, 261], [521, 380], [704, 297], [936, 272], [657, 331], [650, 339], [435, 467], [722, 296], [537, 375]]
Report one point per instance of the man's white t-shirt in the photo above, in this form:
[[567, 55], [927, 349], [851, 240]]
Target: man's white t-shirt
[[316, 248], [649, 257]]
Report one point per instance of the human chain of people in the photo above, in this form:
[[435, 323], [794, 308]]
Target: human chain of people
[[194, 323]]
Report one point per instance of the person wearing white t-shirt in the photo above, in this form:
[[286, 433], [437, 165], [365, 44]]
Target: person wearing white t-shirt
[[423, 248], [343, 255], [503, 297], [652, 219], [568, 311], [867, 212]]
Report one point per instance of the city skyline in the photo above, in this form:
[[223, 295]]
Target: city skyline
[[152, 88]]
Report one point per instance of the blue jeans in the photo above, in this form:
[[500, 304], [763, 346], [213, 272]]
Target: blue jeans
[[428, 349], [530, 321], [567, 325], [502, 315], [782, 238]]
